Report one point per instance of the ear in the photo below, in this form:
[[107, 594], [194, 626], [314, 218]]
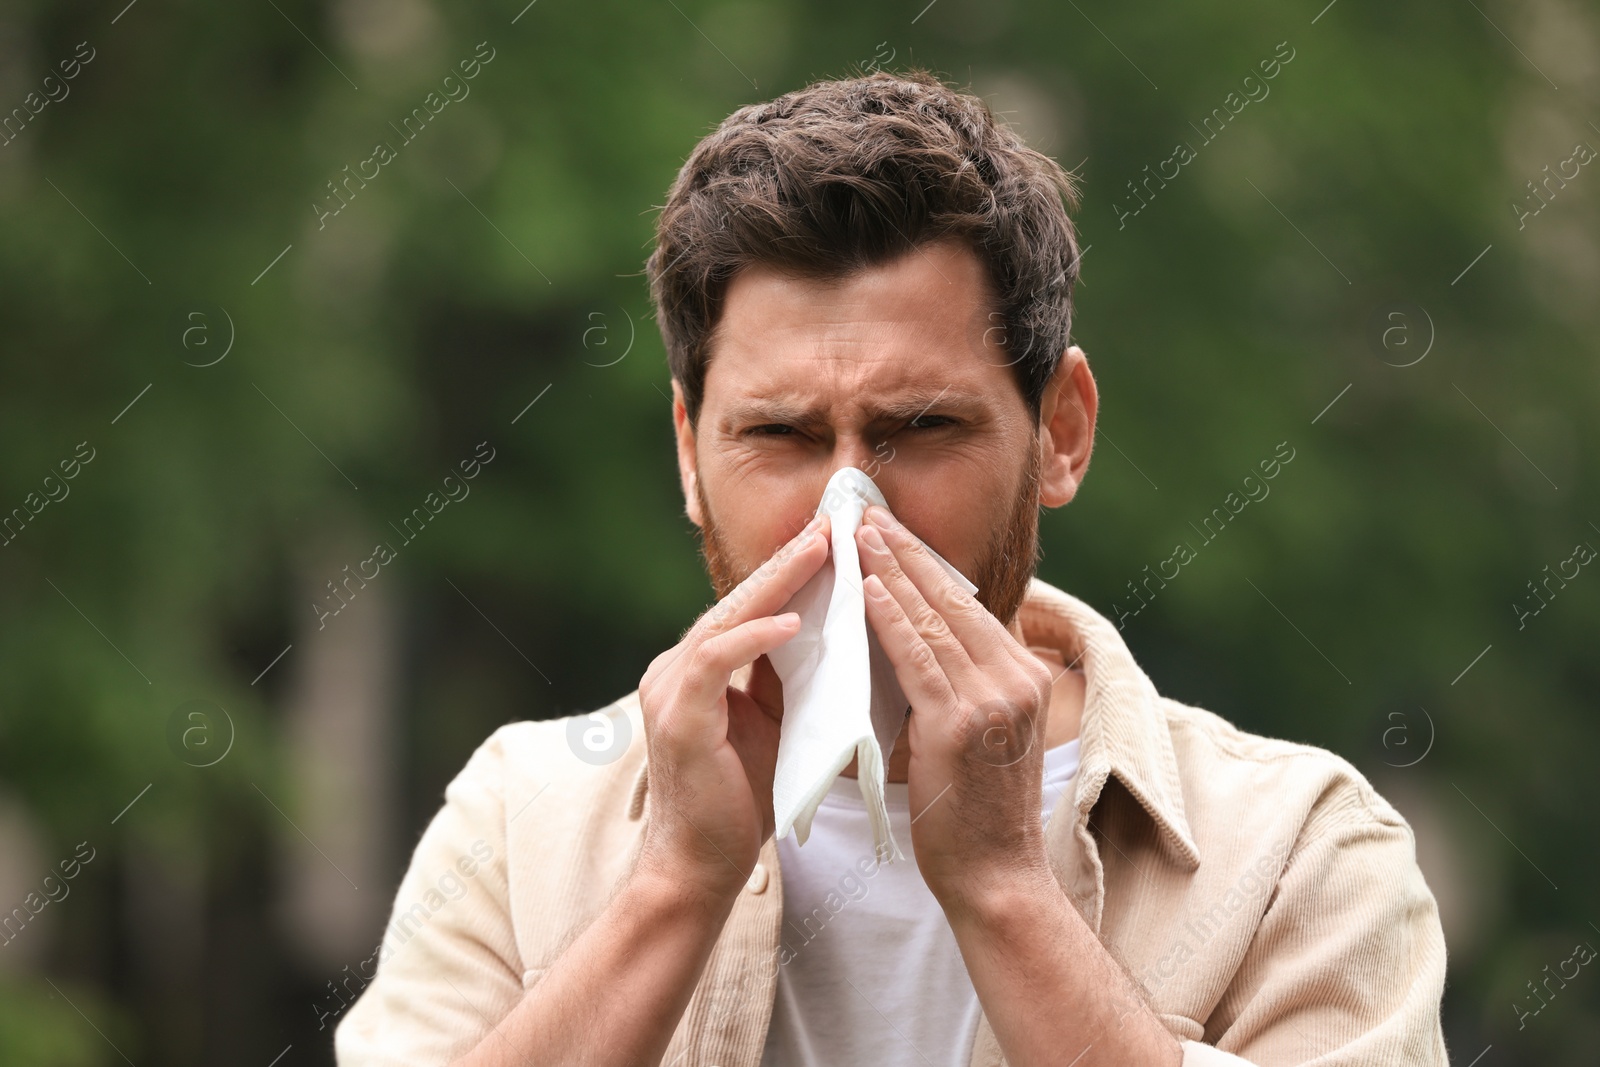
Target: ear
[[688, 463], [1066, 428]]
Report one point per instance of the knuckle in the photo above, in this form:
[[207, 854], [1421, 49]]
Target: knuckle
[[1043, 677], [966, 609], [1031, 692], [703, 657], [656, 689], [923, 661], [1021, 688], [1003, 709], [650, 684], [928, 622], [662, 666], [698, 658], [715, 621], [972, 725]]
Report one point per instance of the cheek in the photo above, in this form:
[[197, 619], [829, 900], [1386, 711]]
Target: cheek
[[952, 503], [755, 464], [755, 512]]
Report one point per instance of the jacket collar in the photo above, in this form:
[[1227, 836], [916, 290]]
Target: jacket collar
[[1123, 730]]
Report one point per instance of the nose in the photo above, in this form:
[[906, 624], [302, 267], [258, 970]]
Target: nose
[[855, 450], [865, 465], [852, 487]]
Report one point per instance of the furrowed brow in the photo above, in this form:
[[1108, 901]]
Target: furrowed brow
[[754, 412], [901, 408]]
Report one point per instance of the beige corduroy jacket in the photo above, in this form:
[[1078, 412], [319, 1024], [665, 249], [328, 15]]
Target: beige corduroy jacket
[[1264, 898]]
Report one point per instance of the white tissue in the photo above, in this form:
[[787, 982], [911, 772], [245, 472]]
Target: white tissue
[[840, 694]]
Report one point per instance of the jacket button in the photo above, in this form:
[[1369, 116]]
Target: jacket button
[[758, 880]]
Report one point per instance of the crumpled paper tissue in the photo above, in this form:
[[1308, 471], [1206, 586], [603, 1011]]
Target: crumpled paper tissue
[[840, 694]]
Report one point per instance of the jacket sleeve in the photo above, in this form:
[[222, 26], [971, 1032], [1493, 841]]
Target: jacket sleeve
[[448, 968], [1347, 967]]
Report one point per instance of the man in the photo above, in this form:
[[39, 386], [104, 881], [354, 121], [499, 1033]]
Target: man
[[874, 273]]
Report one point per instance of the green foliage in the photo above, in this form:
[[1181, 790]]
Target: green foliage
[[40, 1029], [471, 274]]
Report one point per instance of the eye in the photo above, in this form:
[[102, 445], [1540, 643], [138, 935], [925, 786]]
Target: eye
[[939, 422], [771, 429]]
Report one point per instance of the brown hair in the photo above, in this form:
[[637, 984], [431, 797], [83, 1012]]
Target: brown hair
[[849, 174]]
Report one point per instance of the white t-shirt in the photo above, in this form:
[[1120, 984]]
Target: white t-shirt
[[873, 974]]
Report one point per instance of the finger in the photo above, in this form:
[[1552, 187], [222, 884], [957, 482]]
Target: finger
[[916, 667], [764, 591], [985, 640], [928, 622], [712, 662], [771, 585]]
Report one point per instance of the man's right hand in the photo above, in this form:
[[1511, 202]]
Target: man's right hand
[[712, 747]]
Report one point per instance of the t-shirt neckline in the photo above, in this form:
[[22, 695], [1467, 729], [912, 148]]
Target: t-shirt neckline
[[1060, 767]]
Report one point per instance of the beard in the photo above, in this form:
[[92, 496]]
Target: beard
[[1004, 568]]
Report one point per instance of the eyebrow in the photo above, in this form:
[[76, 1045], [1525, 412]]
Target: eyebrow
[[905, 406]]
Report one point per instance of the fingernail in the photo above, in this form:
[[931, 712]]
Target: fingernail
[[814, 524], [879, 516], [872, 539]]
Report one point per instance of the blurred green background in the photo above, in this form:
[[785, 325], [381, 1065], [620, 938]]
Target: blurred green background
[[1355, 265]]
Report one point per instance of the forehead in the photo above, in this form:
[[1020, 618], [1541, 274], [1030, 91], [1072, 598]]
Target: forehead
[[893, 336]]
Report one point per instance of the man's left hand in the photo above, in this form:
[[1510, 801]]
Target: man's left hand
[[978, 706]]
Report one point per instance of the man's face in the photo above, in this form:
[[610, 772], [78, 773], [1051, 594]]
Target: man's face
[[897, 371]]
